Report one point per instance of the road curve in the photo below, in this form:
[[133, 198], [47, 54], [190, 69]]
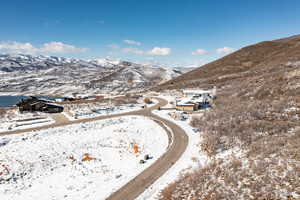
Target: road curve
[[142, 181]]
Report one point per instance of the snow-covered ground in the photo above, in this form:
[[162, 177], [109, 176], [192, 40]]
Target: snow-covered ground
[[82, 161], [191, 158], [95, 110], [14, 120], [88, 112], [171, 100]]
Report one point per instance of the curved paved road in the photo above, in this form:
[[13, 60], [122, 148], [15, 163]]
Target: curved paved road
[[142, 181]]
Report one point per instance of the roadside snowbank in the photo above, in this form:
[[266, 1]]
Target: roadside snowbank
[[82, 161]]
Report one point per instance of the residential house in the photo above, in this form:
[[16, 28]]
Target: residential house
[[33, 104]]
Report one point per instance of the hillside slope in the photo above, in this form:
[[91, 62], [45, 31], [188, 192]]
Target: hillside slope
[[252, 132], [264, 57], [35, 75]]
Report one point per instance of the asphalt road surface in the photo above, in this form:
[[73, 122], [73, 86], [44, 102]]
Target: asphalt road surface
[[177, 145]]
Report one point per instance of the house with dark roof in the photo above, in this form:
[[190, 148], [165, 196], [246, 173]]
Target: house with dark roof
[[34, 104]]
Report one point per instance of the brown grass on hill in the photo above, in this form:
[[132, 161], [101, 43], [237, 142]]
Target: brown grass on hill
[[259, 176], [257, 114], [2, 112], [252, 59], [269, 137], [127, 99], [147, 100], [238, 123]]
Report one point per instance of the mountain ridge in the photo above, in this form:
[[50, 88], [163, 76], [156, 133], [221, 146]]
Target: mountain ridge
[[267, 53], [35, 75]]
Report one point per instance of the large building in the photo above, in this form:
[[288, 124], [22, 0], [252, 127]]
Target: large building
[[34, 104]]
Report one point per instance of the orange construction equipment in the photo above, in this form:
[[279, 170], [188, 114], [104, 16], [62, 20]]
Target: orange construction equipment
[[136, 148], [87, 157]]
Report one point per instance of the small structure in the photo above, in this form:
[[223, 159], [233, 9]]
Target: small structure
[[194, 102], [202, 99], [33, 104], [187, 105]]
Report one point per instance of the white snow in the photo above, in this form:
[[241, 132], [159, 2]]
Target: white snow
[[191, 159], [88, 112], [48, 164], [95, 110], [14, 120]]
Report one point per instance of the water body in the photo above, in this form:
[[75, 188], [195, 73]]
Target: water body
[[8, 101]]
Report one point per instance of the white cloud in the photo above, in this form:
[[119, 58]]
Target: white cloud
[[224, 50], [27, 48], [199, 52], [16, 47], [59, 47], [133, 51], [132, 42], [156, 51]]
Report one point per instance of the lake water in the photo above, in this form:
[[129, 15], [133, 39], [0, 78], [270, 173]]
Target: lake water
[[7, 101]]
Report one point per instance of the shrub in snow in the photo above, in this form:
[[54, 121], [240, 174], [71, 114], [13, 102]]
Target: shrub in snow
[[147, 100]]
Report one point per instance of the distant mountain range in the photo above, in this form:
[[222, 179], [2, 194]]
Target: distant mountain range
[[50, 75]]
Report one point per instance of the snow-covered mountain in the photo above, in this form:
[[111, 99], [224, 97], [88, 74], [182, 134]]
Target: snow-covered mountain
[[27, 74]]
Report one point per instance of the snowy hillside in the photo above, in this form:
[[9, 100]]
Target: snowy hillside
[[84, 161], [25, 74]]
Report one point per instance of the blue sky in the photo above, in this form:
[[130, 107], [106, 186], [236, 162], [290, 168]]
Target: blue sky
[[174, 32]]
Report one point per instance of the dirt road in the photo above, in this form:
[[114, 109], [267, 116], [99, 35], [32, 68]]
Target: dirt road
[[142, 181]]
